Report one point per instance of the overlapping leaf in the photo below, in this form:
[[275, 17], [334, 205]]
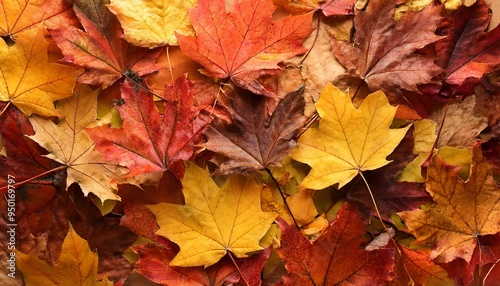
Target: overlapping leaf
[[70, 145], [256, 140], [214, 220], [77, 265], [100, 49], [150, 24], [467, 52], [383, 51], [149, 142], [27, 78], [462, 210], [21, 15], [242, 42], [348, 140], [337, 257]]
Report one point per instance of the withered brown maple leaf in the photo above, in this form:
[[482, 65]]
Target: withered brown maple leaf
[[256, 140], [149, 142], [462, 210], [337, 257], [467, 52], [154, 262], [242, 41], [100, 48], [382, 54]]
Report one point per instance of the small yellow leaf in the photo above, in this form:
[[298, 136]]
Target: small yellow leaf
[[153, 23], [27, 78], [214, 220], [77, 265], [348, 140]]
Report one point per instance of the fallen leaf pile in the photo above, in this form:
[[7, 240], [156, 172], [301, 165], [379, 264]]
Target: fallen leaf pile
[[249, 142]]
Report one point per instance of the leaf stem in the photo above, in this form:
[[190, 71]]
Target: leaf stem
[[284, 198], [314, 41], [434, 146], [238, 268], [313, 119], [18, 184], [385, 227], [489, 271], [4, 109]]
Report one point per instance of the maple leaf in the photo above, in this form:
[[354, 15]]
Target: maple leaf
[[390, 195], [348, 140], [244, 43], [28, 80], [335, 258], [150, 24], [414, 264], [467, 52], [256, 140], [214, 220], [329, 7], [25, 159], [21, 15], [154, 263], [77, 265], [70, 145], [383, 51], [462, 211], [100, 49], [150, 142]]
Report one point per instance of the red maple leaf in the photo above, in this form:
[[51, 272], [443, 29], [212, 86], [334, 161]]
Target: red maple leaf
[[100, 49], [467, 52], [244, 43], [150, 142], [336, 257]]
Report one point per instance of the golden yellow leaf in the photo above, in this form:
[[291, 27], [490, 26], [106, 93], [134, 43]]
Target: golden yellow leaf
[[20, 15], [214, 220], [462, 211], [69, 144], [153, 23], [77, 265], [348, 140], [27, 78]]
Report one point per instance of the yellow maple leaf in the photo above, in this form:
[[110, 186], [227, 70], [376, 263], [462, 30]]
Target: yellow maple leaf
[[348, 140], [69, 144], [153, 23], [462, 210], [77, 265], [27, 78], [214, 220]]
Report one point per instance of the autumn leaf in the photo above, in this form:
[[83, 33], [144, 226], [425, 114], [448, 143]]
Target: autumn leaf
[[70, 145], [414, 264], [337, 257], [328, 7], [462, 211], [383, 51], [214, 220], [149, 142], [77, 265], [154, 264], [25, 159], [151, 24], [348, 140], [256, 140], [21, 15], [242, 42], [28, 80], [100, 49], [467, 52]]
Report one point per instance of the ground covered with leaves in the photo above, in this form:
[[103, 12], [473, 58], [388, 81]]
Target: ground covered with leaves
[[249, 142]]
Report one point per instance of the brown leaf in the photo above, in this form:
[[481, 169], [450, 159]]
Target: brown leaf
[[383, 51], [256, 140]]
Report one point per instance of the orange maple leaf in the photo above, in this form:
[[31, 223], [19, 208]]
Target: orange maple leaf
[[463, 210], [243, 43]]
